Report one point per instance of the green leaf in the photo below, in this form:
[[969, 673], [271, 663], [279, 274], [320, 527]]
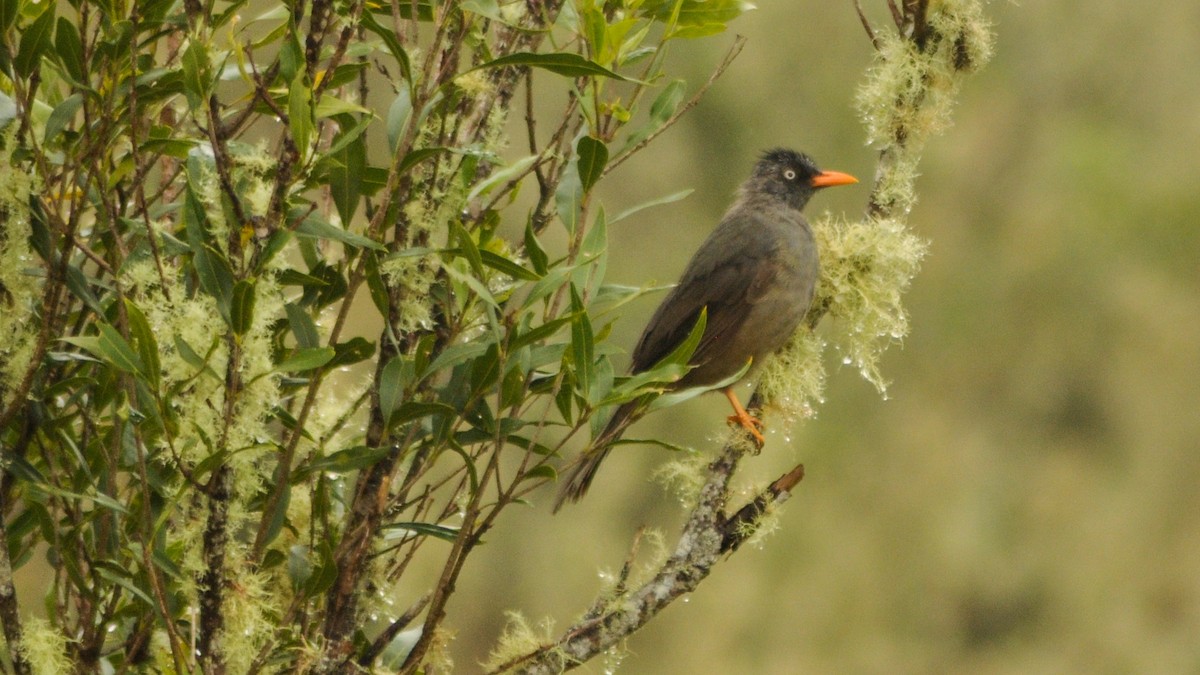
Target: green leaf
[[303, 327], [345, 461], [423, 529], [112, 348], [455, 354], [215, 275], [502, 176], [241, 307], [352, 351], [70, 49], [592, 156], [369, 22], [583, 345], [349, 153], [79, 285], [485, 8], [393, 380], [34, 40], [144, 340], [398, 117], [414, 410], [8, 14], [306, 359], [595, 242], [569, 197], [559, 63], [467, 247], [683, 353], [375, 285], [316, 227], [300, 119], [668, 199], [506, 266], [533, 249], [540, 471], [62, 116], [197, 74]]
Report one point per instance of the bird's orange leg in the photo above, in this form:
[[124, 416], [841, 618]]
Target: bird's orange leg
[[749, 422]]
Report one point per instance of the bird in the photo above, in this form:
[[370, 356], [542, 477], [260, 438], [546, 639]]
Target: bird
[[753, 279]]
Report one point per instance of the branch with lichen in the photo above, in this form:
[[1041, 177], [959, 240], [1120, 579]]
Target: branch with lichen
[[866, 268]]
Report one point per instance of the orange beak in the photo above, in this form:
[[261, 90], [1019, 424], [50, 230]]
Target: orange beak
[[831, 178]]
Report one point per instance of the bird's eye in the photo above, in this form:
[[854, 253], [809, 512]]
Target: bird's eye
[[789, 174]]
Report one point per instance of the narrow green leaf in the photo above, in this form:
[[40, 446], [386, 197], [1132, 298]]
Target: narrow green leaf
[[592, 156], [393, 381], [456, 354], [502, 176], [241, 307], [509, 267], [372, 24], [583, 344], [378, 290], [533, 249], [398, 116], [80, 286], [70, 49], [8, 14], [569, 197], [414, 410], [560, 63], [117, 351], [62, 116], [683, 353], [345, 461], [595, 242], [34, 40], [422, 529], [306, 359], [352, 351], [668, 199], [303, 326], [350, 160], [467, 247], [215, 275], [318, 228], [144, 340], [197, 74], [300, 119], [539, 333]]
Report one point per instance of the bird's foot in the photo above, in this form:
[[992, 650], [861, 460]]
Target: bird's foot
[[751, 424]]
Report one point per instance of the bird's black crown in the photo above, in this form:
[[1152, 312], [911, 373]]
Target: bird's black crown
[[786, 174]]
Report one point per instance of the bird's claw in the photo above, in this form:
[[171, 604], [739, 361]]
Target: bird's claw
[[752, 425]]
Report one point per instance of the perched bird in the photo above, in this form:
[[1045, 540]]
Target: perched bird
[[754, 277]]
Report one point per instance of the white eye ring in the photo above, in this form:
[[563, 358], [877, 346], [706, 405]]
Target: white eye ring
[[789, 174]]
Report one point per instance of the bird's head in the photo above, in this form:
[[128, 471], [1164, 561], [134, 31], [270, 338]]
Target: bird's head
[[791, 176]]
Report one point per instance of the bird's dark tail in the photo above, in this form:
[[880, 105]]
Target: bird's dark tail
[[579, 479]]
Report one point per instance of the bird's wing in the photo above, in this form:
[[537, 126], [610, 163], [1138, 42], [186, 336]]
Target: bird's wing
[[728, 275]]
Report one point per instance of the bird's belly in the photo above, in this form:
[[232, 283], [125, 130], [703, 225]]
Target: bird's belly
[[767, 328]]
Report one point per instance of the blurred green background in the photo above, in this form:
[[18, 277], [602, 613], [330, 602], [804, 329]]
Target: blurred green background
[[1027, 499]]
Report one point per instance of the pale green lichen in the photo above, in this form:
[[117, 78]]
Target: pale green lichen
[[20, 290], [519, 638], [867, 266], [910, 91], [44, 647], [250, 619]]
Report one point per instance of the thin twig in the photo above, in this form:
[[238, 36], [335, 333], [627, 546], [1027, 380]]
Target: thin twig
[[730, 55], [866, 24]]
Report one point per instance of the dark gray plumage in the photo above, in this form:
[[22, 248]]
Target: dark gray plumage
[[755, 273]]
